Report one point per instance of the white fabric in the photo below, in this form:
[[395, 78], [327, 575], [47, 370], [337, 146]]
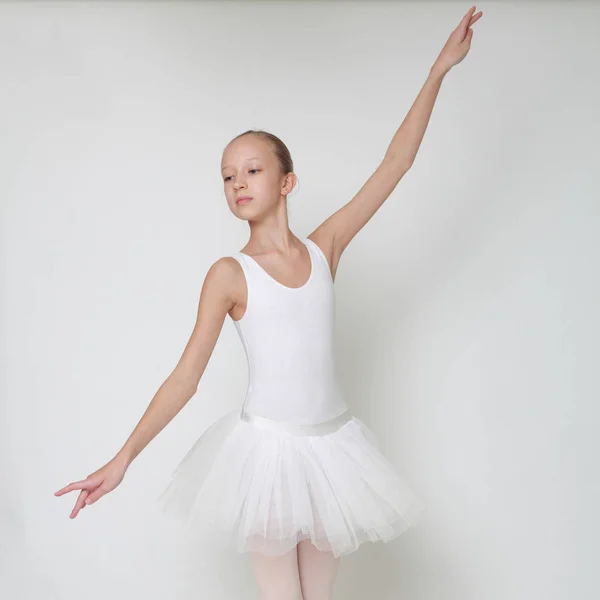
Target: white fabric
[[299, 428], [288, 337], [294, 463]]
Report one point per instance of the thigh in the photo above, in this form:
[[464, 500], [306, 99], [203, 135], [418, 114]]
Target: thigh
[[317, 570], [277, 577]]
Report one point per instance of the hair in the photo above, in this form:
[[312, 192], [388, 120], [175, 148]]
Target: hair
[[280, 150]]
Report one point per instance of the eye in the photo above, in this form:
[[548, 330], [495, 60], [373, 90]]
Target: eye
[[229, 177]]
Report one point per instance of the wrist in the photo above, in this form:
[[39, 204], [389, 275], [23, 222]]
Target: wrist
[[438, 71], [124, 457]]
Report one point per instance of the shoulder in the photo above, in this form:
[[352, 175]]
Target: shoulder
[[224, 277], [224, 267], [224, 270], [324, 241]]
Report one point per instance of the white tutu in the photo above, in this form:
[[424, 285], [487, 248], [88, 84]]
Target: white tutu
[[264, 488]]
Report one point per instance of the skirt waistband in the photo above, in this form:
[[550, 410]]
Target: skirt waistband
[[319, 429]]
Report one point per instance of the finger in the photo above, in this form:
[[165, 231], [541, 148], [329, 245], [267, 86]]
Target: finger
[[95, 495], [79, 504], [461, 29], [475, 18], [468, 13], [465, 20], [76, 485]]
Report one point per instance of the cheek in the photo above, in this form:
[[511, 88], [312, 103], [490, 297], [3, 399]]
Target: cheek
[[269, 185]]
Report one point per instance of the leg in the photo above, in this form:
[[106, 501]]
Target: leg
[[277, 576], [317, 571]]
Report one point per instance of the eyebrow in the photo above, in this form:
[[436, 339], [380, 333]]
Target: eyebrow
[[254, 157]]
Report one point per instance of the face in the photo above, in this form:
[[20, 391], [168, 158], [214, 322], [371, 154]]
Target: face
[[250, 168]]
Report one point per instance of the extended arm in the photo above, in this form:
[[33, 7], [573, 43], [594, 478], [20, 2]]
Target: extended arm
[[215, 302], [336, 232], [217, 298]]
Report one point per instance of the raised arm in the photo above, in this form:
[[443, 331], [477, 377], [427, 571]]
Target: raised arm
[[218, 296], [336, 232]]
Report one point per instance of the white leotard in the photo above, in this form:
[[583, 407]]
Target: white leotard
[[288, 335]]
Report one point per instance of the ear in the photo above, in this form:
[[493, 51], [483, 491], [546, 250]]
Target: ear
[[289, 182]]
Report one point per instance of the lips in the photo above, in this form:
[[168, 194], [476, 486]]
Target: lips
[[243, 200]]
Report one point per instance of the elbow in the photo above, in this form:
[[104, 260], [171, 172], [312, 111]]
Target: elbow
[[192, 388], [406, 164], [398, 165], [187, 385]]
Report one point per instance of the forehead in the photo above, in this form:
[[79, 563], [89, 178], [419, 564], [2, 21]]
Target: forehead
[[243, 150]]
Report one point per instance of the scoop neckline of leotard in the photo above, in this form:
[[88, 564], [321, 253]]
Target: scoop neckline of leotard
[[287, 287]]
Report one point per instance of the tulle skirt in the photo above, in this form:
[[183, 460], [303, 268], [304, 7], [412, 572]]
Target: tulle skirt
[[253, 484]]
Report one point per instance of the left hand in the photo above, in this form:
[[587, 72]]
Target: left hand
[[458, 44]]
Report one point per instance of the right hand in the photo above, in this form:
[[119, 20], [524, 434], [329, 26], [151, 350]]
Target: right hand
[[96, 485]]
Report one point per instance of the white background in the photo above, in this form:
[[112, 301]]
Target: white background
[[467, 308]]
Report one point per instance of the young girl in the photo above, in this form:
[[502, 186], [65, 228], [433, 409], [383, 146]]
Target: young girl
[[294, 479]]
